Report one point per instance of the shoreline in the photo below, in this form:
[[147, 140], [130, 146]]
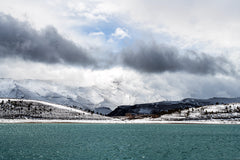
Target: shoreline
[[117, 121]]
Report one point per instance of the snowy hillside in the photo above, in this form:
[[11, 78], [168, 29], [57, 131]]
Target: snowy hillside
[[210, 112], [32, 109], [36, 111]]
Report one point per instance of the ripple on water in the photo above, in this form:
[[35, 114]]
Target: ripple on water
[[119, 141]]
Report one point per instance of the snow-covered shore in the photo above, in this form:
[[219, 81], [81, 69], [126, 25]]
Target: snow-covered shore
[[116, 121], [32, 111]]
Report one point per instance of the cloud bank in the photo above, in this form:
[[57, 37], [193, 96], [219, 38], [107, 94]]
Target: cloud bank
[[19, 39], [161, 58]]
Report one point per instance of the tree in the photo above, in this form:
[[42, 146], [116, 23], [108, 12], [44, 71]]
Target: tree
[[29, 107], [226, 108], [238, 109], [188, 112], [179, 111]]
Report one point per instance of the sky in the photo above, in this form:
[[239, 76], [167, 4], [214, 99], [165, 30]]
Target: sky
[[156, 49]]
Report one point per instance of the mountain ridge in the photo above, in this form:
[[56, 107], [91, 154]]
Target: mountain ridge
[[102, 100], [166, 106], [80, 97]]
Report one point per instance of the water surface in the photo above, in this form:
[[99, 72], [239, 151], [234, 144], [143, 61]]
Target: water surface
[[119, 141]]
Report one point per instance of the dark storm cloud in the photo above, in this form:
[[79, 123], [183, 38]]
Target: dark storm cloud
[[19, 39], [159, 58]]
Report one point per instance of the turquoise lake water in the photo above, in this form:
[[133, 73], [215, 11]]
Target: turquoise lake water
[[119, 141]]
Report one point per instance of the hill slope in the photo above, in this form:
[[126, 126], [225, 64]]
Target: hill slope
[[229, 112], [165, 106], [32, 109]]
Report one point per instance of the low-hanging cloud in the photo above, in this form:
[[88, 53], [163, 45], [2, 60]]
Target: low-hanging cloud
[[160, 58], [19, 39]]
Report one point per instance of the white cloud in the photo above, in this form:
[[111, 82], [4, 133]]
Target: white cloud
[[120, 33], [96, 34], [214, 23]]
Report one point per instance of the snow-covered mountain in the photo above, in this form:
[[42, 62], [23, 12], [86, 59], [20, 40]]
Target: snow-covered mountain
[[100, 99]]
